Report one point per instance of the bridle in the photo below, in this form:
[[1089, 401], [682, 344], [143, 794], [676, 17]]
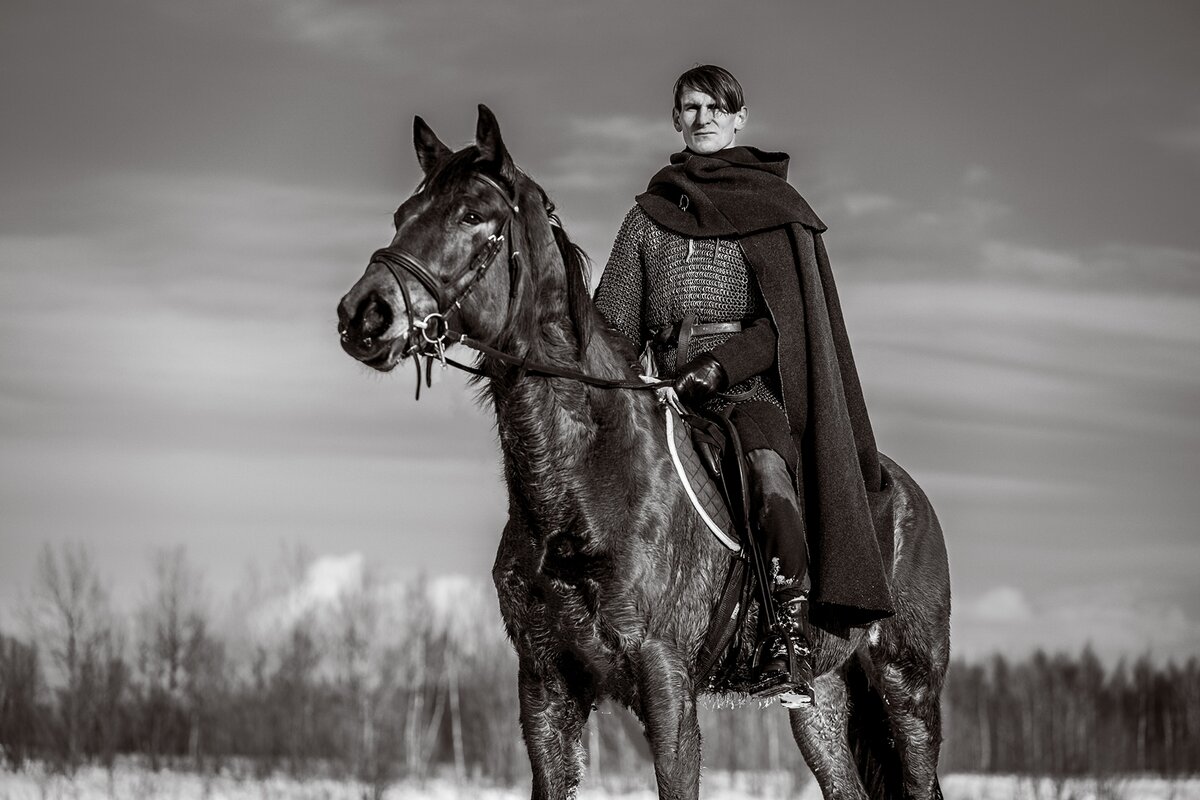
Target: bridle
[[428, 337]]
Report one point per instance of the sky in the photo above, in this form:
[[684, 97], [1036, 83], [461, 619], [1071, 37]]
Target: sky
[[186, 190]]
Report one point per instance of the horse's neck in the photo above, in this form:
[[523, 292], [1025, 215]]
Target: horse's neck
[[550, 427]]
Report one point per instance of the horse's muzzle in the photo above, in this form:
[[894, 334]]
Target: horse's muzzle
[[364, 330]]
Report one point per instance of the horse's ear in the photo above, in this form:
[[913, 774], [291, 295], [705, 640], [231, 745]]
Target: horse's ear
[[430, 149], [491, 146]]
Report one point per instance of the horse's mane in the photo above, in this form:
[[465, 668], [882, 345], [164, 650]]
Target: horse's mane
[[458, 168], [578, 267]]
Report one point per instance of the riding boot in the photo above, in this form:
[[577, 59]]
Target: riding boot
[[788, 651], [784, 659]]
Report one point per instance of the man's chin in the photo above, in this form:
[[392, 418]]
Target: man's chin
[[706, 145]]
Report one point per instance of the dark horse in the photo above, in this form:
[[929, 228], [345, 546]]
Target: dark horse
[[607, 579]]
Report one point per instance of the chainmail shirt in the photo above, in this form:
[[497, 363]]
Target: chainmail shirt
[[655, 276]]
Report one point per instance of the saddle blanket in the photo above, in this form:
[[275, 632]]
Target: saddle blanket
[[700, 486]]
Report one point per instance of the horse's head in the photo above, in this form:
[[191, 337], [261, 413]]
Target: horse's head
[[456, 259]]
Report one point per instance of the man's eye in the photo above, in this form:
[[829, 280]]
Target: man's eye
[[471, 218]]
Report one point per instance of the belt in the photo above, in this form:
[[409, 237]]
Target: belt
[[680, 334]]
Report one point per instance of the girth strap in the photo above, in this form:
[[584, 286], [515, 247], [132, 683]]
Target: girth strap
[[726, 621]]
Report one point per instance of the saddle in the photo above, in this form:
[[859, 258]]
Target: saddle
[[728, 664], [712, 467]]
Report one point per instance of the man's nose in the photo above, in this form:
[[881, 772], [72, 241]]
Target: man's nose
[[704, 116]]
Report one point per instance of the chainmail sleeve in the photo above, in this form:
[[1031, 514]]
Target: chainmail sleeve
[[619, 297]]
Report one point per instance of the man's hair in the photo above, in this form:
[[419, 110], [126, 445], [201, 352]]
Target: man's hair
[[716, 82]]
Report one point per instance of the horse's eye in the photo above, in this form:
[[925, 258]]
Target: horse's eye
[[471, 218]]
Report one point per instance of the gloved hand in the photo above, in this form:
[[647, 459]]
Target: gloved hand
[[701, 378]]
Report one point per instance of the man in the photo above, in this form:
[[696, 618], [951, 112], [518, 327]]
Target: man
[[720, 266]]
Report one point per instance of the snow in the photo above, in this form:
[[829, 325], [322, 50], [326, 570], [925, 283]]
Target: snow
[[133, 783]]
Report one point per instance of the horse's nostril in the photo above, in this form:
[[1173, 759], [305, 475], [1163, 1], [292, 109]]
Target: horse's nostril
[[373, 317]]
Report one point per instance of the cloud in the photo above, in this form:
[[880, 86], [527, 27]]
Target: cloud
[[1111, 266], [609, 151], [330, 24], [361, 28], [876, 234], [1179, 138], [1183, 140], [207, 311], [173, 373], [860, 203], [1001, 604], [1002, 346], [1014, 259], [340, 590], [976, 175], [619, 130], [326, 580], [1115, 620], [981, 488]]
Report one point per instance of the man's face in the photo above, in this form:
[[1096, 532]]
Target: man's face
[[705, 127]]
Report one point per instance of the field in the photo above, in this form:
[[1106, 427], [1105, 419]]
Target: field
[[132, 783]]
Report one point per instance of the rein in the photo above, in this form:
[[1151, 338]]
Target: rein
[[434, 329]]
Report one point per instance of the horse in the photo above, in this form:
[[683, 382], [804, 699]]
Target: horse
[[606, 577]]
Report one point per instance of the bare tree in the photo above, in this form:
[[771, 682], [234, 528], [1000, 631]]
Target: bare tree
[[172, 607], [172, 649], [359, 676], [19, 686], [105, 690], [71, 618]]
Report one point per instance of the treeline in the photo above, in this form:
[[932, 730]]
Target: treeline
[[1066, 715], [376, 681], [382, 681]]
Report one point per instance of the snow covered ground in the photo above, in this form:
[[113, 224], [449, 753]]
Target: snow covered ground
[[131, 783]]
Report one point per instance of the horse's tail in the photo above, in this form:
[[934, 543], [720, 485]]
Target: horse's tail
[[869, 730]]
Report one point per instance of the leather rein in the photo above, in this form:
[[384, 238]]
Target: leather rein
[[429, 337]]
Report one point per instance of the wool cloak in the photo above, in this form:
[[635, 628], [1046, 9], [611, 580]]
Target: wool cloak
[[743, 193]]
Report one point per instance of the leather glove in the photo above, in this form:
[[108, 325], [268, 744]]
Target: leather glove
[[701, 378]]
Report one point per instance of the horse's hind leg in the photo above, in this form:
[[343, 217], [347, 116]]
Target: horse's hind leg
[[554, 710], [911, 688], [820, 730], [667, 707], [908, 653]]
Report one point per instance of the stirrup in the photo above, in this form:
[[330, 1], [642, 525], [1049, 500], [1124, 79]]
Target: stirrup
[[797, 697], [787, 655]]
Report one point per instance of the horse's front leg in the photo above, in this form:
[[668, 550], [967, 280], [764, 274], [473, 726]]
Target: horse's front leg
[[667, 706], [554, 711]]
